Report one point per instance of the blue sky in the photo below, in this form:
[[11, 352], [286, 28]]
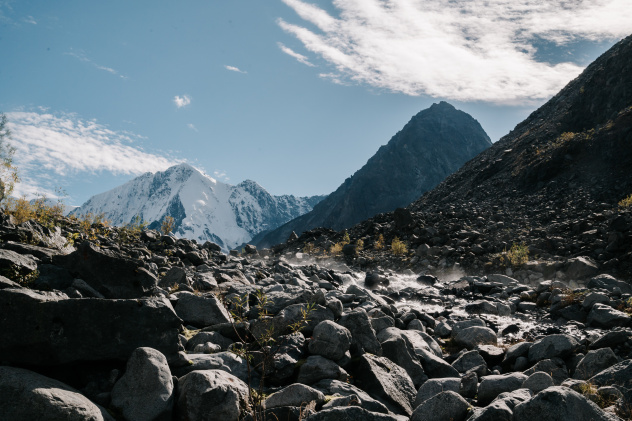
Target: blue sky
[[295, 95]]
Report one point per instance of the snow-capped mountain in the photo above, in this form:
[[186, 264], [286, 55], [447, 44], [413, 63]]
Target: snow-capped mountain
[[203, 208]]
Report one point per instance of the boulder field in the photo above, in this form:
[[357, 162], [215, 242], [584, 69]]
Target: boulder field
[[145, 326]]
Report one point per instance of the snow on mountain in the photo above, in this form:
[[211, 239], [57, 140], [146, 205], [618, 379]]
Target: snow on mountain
[[202, 207]]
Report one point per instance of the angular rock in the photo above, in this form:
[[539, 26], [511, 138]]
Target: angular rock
[[471, 337], [397, 348], [537, 382], [330, 340], [317, 368], [294, 395], [468, 361], [350, 413], [594, 362], [560, 403], [581, 267], [606, 317], [448, 406], [225, 361], [200, 311], [336, 387], [619, 374], [552, 346], [435, 386], [362, 333], [23, 264], [494, 385], [25, 395], [386, 381], [554, 367], [42, 329], [145, 391], [211, 395], [112, 274]]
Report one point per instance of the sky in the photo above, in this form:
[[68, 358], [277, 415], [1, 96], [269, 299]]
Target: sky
[[295, 95]]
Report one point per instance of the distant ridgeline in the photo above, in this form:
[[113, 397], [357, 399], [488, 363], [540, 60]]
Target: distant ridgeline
[[203, 208]]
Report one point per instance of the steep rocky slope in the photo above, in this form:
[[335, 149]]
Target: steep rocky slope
[[202, 207], [432, 145], [551, 188]]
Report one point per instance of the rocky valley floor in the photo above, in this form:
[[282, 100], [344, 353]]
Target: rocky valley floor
[[104, 323]]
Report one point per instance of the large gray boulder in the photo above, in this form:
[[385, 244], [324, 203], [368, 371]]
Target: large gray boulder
[[25, 395], [435, 386], [41, 329], [362, 333], [606, 317], [594, 362], [386, 381], [112, 274], [338, 388], [560, 403], [397, 348], [317, 368], [211, 395], [200, 311], [330, 340], [294, 395], [619, 374], [468, 361], [471, 337], [350, 413], [225, 361], [494, 385], [501, 408], [22, 264], [145, 391], [446, 406], [552, 346]]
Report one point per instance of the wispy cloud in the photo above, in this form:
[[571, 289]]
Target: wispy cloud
[[221, 175], [81, 56], [181, 101], [50, 146], [31, 20], [192, 127], [463, 50], [299, 57], [235, 69]]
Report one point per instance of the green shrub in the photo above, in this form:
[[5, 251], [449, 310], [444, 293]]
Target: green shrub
[[517, 255], [626, 203], [398, 247]]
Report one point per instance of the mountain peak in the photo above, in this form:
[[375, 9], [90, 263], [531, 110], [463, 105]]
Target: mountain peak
[[432, 145]]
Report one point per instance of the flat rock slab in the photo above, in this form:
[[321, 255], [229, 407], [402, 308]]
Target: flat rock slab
[[42, 329]]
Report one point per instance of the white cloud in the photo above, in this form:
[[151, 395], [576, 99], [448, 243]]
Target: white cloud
[[299, 57], [49, 146], [31, 20], [463, 50], [221, 175], [192, 127], [235, 69], [81, 56], [182, 101]]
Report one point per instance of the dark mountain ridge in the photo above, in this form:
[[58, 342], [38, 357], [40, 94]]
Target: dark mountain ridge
[[432, 145], [552, 185]]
